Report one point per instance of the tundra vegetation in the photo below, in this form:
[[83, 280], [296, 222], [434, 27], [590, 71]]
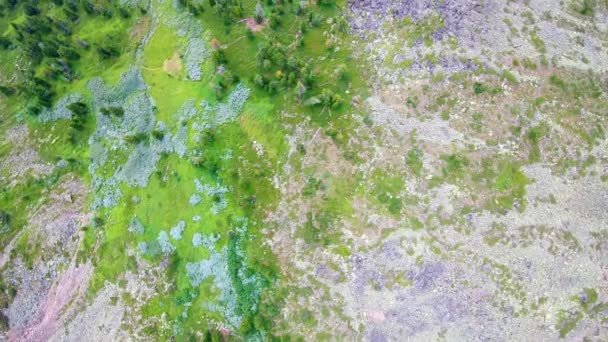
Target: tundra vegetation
[[291, 170]]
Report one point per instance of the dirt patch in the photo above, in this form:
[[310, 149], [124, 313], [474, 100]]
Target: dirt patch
[[252, 25], [138, 32], [173, 65]]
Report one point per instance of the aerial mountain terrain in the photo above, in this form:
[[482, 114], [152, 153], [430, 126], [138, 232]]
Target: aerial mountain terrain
[[303, 170]]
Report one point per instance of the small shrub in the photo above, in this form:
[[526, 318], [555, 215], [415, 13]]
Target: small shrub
[[413, 160], [479, 88], [454, 164], [584, 7], [112, 111]]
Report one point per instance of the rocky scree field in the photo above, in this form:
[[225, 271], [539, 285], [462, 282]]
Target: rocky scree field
[[219, 170]]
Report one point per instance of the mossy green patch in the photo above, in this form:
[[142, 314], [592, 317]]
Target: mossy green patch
[[454, 165], [510, 184], [413, 159], [387, 190]]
